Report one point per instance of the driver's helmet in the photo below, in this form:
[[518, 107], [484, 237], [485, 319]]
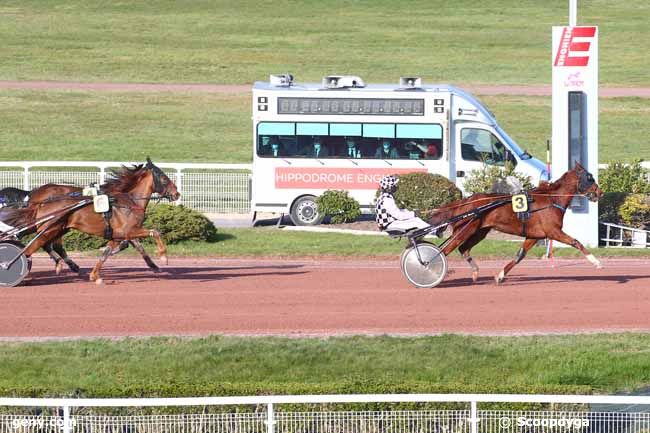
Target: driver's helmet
[[389, 183]]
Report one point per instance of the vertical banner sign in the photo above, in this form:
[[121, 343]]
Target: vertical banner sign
[[574, 60]]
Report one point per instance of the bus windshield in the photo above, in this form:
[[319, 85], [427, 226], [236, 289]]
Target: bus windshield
[[324, 140]]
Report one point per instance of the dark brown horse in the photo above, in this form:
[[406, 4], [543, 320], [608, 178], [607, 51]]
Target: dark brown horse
[[550, 202], [14, 198], [127, 212]]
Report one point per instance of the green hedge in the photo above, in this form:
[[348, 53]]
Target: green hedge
[[424, 191], [179, 223]]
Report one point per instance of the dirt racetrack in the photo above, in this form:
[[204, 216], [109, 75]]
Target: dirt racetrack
[[325, 297]]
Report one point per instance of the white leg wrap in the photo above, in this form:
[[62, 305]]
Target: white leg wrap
[[594, 261], [501, 276]]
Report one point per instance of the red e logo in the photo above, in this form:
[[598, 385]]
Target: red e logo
[[570, 53]]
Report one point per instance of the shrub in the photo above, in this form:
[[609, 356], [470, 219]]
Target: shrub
[[178, 223], [483, 179], [620, 177], [635, 211], [339, 206], [424, 191]]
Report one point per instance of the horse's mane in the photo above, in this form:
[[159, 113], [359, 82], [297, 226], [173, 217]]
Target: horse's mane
[[124, 178], [552, 186]]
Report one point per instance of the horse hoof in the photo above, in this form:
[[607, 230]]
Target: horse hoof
[[474, 277], [498, 279], [156, 270], [99, 281], [594, 261], [75, 269], [58, 268], [164, 260]]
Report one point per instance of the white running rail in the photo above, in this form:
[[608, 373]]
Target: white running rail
[[210, 188], [563, 413], [623, 236]]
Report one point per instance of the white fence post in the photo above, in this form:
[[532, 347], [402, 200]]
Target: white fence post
[[270, 418], [473, 417], [179, 184], [67, 425], [26, 178]]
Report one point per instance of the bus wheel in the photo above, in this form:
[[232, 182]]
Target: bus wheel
[[304, 212]]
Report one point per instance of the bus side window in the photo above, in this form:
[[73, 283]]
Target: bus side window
[[270, 145], [290, 145]]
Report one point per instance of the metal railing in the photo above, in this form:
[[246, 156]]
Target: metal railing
[[210, 188], [623, 236], [467, 413]]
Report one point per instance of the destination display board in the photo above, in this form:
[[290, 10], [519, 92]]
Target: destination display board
[[351, 106]]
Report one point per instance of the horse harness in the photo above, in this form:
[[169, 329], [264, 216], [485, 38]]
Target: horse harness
[[525, 215]]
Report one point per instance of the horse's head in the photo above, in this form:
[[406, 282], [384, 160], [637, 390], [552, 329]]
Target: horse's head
[[162, 184], [586, 184]]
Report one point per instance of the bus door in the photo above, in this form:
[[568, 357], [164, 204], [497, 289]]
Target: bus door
[[476, 145]]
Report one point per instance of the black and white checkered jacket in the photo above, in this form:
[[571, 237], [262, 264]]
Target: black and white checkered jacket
[[382, 215]]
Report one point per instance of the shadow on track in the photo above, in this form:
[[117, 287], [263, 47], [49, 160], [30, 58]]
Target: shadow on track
[[515, 280], [186, 273]]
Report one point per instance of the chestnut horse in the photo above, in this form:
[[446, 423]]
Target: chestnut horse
[[127, 212], [550, 202]]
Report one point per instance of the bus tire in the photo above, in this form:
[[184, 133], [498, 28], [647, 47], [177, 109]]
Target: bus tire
[[304, 211]]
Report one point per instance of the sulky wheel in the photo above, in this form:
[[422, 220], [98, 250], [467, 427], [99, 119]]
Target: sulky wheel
[[429, 274], [14, 266]]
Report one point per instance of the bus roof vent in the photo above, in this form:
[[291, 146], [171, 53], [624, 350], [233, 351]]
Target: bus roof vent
[[342, 81], [410, 82], [282, 80]]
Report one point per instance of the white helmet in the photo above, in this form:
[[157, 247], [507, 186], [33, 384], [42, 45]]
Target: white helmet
[[388, 183]]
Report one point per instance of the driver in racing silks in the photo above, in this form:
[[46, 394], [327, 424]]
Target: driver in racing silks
[[388, 215]]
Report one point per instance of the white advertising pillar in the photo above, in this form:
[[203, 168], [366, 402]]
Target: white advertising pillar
[[575, 119]]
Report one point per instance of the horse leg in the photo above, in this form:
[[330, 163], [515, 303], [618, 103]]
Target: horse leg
[[560, 236], [49, 249], [58, 247], [138, 233], [121, 247], [527, 245], [470, 243], [138, 246], [108, 249]]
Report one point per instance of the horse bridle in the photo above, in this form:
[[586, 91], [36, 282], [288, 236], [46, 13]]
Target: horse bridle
[[586, 181], [160, 181]]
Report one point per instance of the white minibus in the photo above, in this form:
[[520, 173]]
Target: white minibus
[[343, 134]]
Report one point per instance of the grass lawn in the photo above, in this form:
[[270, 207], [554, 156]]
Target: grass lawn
[[222, 41], [195, 127], [604, 363], [271, 242]]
